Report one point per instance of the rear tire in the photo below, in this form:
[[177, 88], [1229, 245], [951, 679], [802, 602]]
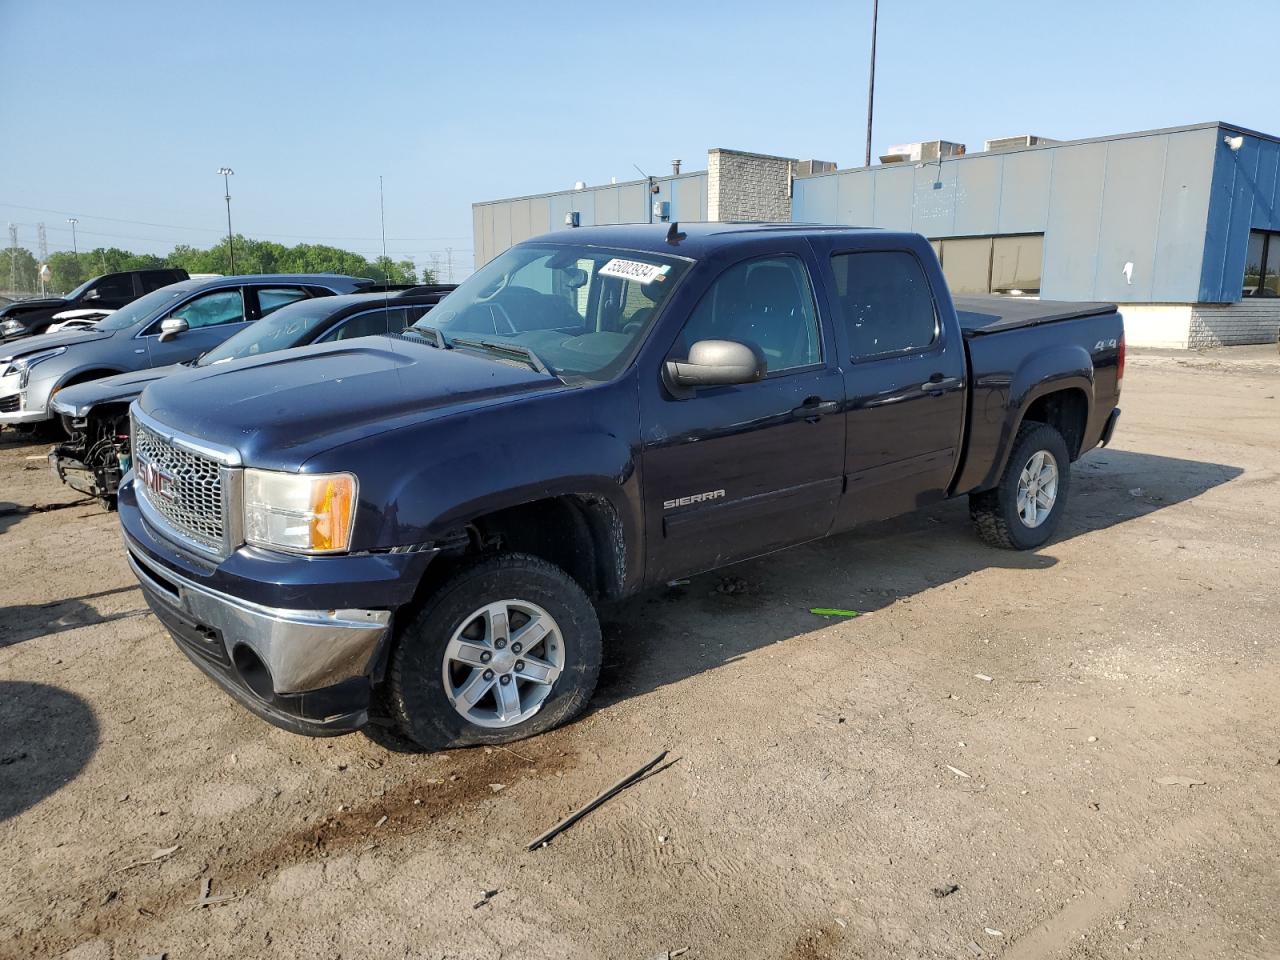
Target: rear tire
[[1023, 510], [464, 647]]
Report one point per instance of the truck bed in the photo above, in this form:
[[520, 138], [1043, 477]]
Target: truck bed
[[980, 316]]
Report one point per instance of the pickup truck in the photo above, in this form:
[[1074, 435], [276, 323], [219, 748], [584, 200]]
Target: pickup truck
[[410, 533], [110, 291], [97, 454]]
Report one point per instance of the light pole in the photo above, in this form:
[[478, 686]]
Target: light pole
[[75, 253], [871, 83], [226, 172]]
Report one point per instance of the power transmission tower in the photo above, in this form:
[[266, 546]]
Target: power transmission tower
[[449, 253], [435, 267], [42, 242]]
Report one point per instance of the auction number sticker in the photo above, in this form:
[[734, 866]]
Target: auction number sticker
[[633, 270]]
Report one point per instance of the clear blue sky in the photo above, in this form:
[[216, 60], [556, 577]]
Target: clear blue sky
[[125, 109]]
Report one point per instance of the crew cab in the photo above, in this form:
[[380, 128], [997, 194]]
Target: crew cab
[[174, 324], [96, 455], [108, 292], [411, 532]]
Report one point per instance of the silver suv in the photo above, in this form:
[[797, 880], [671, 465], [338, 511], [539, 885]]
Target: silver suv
[[174, 324]]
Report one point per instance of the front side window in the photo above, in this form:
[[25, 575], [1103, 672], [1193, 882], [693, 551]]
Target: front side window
[[885, 301], [114, 291], [271, 299], [564, 302], [213, 309], [766, 304]]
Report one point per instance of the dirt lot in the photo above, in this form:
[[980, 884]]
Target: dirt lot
[[998, 722]]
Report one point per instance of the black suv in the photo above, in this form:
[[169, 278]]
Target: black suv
[[111, 291]]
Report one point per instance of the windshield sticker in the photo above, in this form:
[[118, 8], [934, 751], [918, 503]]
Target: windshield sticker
[[633, 270]]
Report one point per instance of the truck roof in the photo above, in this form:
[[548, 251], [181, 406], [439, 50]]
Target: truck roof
[[699, 238]]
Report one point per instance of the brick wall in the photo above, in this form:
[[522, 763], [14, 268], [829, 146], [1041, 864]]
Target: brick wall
[[1226, 324], [748, 186]]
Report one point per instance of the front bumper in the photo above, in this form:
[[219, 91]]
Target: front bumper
[[308, 667], [22, 406], [307, 671]]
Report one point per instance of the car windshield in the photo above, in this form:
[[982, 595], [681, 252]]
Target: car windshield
[[143, 307], [579, 309], [283, 328]]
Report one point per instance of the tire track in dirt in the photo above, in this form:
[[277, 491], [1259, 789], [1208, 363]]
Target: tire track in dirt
[[408, 807]]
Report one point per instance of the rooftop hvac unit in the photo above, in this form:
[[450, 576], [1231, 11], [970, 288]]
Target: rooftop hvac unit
[[805, 168], [1011, 143], [923, 152]]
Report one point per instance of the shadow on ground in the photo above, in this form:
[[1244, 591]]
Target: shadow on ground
[[653, 640], [47, 736], [28, 621]]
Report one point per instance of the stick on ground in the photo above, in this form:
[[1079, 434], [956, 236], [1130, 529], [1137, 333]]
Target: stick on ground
[[581, 812]]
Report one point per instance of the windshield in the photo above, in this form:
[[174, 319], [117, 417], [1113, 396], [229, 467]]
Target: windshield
[[578, 308], [283, 328], [143, 307]]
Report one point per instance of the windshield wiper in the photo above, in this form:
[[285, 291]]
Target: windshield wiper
[[498, 346], [429, 333]]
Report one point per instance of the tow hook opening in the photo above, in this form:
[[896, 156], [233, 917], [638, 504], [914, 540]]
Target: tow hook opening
[[253, 672]]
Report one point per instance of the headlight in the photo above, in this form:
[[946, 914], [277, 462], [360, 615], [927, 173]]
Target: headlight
[[22, 365], [11, 326], [300, 512]]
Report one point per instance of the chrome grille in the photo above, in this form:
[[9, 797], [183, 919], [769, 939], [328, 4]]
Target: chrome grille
[[184, 488]]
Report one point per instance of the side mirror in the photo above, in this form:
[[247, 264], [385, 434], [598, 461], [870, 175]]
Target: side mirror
[[93, 294], [713, 363], [170, 327]]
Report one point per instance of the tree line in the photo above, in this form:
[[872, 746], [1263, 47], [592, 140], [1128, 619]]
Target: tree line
[[20, 270]]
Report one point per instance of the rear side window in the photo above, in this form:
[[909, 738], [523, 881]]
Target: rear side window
[[366, 324], [154, 281], [886, 302], [271, 299]]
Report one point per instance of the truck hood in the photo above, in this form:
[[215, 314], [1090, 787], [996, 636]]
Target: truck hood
[[28, 345], [36, 303], [79, 399], [281, 409]]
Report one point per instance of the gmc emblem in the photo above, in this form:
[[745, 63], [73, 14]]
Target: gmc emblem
[[157, 481]]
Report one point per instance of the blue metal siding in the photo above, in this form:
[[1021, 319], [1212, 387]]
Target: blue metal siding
[[1101, 204], [1244, 197]]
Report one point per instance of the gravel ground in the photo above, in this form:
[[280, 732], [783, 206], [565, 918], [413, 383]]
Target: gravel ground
[[996, 725]]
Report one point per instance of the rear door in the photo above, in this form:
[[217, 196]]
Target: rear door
[[905, 374], [737, 471]]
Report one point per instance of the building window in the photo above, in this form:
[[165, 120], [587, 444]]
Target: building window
[[1007, 265], [1262, 265]]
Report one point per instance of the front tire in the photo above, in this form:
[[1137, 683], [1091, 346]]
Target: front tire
[[1023, 510], [508, 647]]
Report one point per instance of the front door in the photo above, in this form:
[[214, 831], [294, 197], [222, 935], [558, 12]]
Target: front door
[[736, 471], [904, 383], [211, 318]]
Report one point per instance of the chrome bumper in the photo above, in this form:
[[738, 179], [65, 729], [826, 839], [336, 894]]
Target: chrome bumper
[[302, 650]]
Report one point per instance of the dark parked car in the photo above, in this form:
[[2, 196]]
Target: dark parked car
[[174, 324], [111, 291], [413, 529], [97, 454]]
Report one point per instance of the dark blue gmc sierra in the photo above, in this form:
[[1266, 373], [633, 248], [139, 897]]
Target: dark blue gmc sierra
[[410, 531]]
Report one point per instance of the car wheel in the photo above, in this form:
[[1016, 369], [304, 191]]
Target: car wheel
[[1023, 510], [506, 648]]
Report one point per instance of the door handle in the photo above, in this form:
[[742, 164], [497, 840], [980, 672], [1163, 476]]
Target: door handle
[[938, 383], [814, 409]]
